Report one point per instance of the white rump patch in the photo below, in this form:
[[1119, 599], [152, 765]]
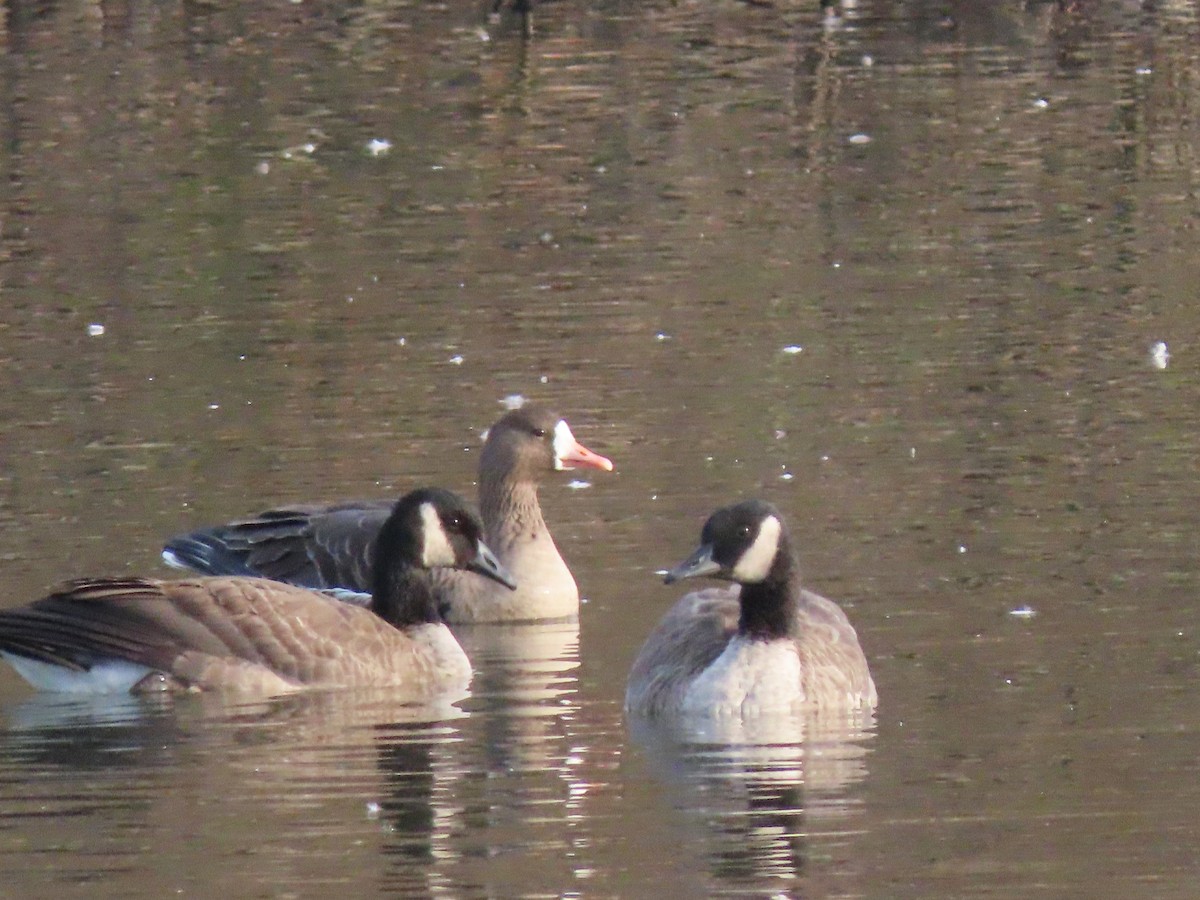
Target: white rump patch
[[110, 677], [169, 557], [564, 443], [437, 549], [754, 564]]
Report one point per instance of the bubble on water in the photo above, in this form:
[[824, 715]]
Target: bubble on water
[[1160, 356]]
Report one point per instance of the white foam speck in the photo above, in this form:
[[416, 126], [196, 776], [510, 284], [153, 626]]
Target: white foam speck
[[379, 146], [1023, 612], [578, 485], [793, 349], [456, 360], [1160, 356], [859, 138], [513, 401], [95, 329]]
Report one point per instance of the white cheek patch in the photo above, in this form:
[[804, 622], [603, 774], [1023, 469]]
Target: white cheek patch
[[564, 443], [437, 550], [755, 562]]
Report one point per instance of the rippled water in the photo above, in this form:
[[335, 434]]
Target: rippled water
[[898, 268]]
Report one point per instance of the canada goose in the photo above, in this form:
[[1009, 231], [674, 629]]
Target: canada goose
[[138, 634], [776, 646], [332, 546]]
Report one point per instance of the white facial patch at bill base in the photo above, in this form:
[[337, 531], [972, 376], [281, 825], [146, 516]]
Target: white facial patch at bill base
[[756, 560], [564, 443], [436, 547]]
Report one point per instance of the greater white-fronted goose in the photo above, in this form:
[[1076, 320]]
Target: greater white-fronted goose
[[229, 632], [333, 546], [771, 646]]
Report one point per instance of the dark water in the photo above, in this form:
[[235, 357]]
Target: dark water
[[898, 269]]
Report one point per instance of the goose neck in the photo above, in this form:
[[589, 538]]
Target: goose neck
[[769, 607], [404, 596], [508, 503]]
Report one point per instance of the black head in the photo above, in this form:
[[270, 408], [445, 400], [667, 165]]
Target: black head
[[531, 440], [432, 527], [739, 543]]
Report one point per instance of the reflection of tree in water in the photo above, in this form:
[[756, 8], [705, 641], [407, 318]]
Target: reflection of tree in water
[[760, 794]]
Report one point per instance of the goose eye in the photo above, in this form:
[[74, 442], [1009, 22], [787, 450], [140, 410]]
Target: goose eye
[[539, 432], [454, 522], [744, 531]]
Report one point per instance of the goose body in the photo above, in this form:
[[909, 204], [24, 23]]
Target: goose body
[[333, 546], [768, 645], [254, 634]]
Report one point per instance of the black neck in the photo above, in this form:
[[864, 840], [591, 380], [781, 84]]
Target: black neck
[[403, 596], [769, 606], [401, 592]]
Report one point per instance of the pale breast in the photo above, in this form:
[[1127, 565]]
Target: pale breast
[[749, 678]]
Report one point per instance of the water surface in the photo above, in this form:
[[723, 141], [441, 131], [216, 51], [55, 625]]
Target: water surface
[[898, 268]]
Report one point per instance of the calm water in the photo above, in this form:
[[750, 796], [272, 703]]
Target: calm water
[[898, 270]]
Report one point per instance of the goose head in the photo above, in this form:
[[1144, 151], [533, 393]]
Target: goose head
[[745, 543], [432, 528], [531, 440]]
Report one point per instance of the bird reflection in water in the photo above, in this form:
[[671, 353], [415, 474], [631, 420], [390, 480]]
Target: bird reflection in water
[[755, 795]]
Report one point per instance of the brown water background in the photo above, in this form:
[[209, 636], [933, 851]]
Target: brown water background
[[897, 267]]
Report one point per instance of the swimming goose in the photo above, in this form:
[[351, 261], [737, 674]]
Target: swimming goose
[[332, 546], [776, 646], [139, 634]]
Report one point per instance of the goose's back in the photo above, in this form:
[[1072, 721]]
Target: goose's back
[[833, 667], [232, 632]]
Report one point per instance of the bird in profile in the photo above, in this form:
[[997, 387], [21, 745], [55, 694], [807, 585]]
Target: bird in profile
[[246, 633], [333, 546]]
